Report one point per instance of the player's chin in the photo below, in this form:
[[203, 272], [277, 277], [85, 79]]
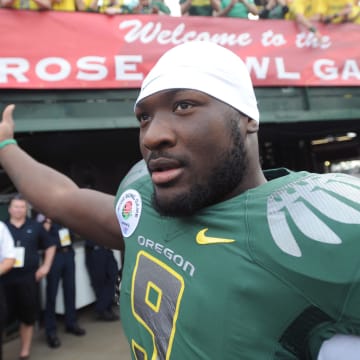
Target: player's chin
[[173, 204]]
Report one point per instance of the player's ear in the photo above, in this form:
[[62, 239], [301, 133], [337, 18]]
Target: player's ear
[[252, 125]]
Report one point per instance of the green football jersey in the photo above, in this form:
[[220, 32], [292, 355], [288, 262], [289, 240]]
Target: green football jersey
[[268, 274]]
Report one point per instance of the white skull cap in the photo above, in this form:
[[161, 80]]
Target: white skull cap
[[206, 67]]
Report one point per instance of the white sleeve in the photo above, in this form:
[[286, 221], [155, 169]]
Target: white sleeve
[[340, 347], [7, 249]]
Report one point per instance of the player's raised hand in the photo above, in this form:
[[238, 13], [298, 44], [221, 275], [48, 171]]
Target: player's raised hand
[[7, 124]]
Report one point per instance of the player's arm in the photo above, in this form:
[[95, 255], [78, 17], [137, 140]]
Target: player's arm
[[87, 212]]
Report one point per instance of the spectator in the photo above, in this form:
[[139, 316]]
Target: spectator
[[63, 268], [163, 8], [103, 271], [199, 7], [26, 4], [336, 11], [66, 5], [21, 282], [152, 7], [238, 8], [274, 9], [306, 13], [7, 261], [58, 5], [354, 17], [109, 7]]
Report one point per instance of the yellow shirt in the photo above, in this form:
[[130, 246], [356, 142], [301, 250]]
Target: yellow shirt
[[64, 5], [25, 4], [104, 4], [307, 8], [355, 14], [331, 7]]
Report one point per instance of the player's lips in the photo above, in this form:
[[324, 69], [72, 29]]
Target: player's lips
[[164, 170]]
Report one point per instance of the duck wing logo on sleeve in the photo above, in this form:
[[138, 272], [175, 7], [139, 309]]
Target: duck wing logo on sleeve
[[308, 204]]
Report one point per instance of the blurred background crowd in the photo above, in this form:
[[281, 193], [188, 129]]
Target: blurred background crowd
[[305, 12]]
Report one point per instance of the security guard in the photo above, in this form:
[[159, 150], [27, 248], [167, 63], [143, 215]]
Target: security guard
[[63, 268], [103, 270]]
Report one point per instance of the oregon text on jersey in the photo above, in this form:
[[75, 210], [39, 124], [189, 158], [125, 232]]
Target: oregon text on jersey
[[177, 259]]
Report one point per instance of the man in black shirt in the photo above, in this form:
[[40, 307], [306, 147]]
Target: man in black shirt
[[21, 283], [63, 268]]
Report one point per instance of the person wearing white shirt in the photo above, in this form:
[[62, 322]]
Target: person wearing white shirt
[[7, 261]]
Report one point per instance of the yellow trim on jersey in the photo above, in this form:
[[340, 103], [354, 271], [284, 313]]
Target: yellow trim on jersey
[[155, 307]]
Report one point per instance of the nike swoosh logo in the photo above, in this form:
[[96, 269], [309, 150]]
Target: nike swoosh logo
[[202, 239]]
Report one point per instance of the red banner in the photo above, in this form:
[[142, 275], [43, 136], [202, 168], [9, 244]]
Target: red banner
[[57, 50]]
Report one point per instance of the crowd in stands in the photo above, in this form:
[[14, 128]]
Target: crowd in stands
[[304, 12], [110, 7]]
